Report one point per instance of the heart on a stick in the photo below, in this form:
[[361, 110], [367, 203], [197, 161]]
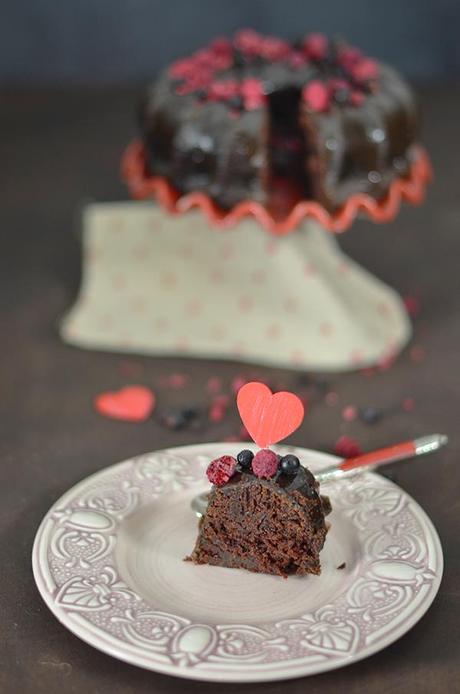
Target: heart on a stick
[[268, 417], [132, 403]]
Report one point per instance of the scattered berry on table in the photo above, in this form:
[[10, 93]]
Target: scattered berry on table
[[370, 415], [347, 447], [349, 413], [174, 419]]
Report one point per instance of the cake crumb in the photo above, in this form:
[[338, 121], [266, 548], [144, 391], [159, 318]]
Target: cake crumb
[[342, 566]]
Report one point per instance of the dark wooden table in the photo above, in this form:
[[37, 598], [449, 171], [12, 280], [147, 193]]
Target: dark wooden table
[[60, 148]]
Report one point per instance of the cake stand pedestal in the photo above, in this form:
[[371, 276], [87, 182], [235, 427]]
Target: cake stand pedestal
[[154, 283]]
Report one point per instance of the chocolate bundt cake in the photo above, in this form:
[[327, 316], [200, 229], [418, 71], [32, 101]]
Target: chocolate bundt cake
[[248, 118], [265, 514]]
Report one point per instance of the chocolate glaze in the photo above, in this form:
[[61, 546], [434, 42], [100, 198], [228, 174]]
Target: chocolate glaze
[[234, 154]]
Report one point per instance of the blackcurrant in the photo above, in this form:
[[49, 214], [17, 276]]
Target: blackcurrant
[[342, 95], [244, 458], [236, 102], [370, 415], [174, 419], [290, 464]]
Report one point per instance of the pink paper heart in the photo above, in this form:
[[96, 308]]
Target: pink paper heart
[[132, 403], [268, 417]]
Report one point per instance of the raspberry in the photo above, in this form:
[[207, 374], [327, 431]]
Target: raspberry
[[265, 463], [223, 89], [222, 54], [248, 42], [221, 61], [316, 95], [199, 80], [346, 447], [365, 69], [203, 58], [182, 69], [252, 93], [349, 56], [221, 46], [357, 98], [274, 49], [316, 46], [221, 469], [297, 59]]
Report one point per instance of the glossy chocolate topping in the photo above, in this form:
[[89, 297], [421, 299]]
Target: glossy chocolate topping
[[245, 119]]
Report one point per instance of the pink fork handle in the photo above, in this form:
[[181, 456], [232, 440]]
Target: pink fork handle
[[383, 455]]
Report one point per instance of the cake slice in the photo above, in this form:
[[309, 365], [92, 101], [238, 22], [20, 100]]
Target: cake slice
[[265, 514]]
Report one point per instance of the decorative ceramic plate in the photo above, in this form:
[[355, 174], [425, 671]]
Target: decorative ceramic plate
[[108, 561]]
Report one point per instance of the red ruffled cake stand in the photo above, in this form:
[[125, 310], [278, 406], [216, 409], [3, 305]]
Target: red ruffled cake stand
[[410, 188]]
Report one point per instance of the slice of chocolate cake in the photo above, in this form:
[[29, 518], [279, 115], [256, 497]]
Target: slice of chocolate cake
[[265, 514]]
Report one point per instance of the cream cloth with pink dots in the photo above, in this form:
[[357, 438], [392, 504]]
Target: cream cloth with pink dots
[[157, 284]]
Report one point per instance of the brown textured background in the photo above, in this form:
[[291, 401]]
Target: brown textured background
[[59, 148]]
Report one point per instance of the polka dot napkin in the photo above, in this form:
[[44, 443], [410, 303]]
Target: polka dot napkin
[[171, 285]]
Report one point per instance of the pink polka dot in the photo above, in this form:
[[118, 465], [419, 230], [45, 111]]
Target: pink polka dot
[[356, 357], [291, 304], [384, 309], [297, 357], [118, 281], [126, 339], [227, 251], [169, 280], [141, 252], [216, 276], [71, 329], [238, 350], [139, 304], [392, 344], [186, 249], [193, 307], [309, 270], [117, 224], [273, 331], [92, 255], [217, 332], [245, 303], [106, 321], [271, 247], [326, 329], [258, 276], [343, 267], [182, 343], [161, 323]]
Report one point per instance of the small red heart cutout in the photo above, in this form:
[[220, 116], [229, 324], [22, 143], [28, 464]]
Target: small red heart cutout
[[268, 417], [132, 403]]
